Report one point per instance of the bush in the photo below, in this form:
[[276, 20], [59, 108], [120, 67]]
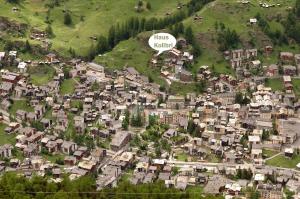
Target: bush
[[67, 19]]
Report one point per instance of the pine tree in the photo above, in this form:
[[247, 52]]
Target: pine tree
[[8, 45], [180, 28], [197, 50], [239, 174], [297, 8], [72, 52], [137, 119], [111, 37], [191, 126], [140, 3], [142, 24], [13, 1], [125, 122], [216, 26], [118, 34], [148, 5], [27, 46], [67, 19], [175, 30], [49, 31], [152, 120], [92, 53], [189, 35], [102, 45]]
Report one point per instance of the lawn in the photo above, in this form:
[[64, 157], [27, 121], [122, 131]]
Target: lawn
[[90, 18], [182, 156], [126, 177], [213, 59], [282, 161], [48, 114], [182, 89], [213, 158], [296, 85], [273, 57], [76, 103], [4, 137], [41, 75], [53, 158], [70, 132], [134, 52], [20, 104], [235, 15], [276, 84], [269, 153], [68, 86], [195, 191]]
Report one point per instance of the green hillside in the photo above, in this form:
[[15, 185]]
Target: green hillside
[[95, 17], [89, 18], [235, 16]]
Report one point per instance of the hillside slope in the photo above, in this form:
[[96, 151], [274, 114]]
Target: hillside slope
[[89, 18], [234, 15]]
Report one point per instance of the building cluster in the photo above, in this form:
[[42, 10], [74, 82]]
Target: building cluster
[[175, 62], [213, 137]]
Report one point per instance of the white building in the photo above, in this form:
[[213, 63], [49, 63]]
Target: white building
[[22, 67]]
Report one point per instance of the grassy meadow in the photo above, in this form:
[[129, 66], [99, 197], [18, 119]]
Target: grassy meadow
[[89, 18]]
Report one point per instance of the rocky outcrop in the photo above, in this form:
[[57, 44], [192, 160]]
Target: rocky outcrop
[[12, 26]]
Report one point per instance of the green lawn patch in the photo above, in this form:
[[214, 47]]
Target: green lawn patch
[[282, 161], [213, 158], [4, 137], [296, 85], [67, 87], [41, 74], [195, 191], [132, 53], [215, 60], [182, 89], [76, 103], [235, 15], [52, 158], [182, 157], [70, 132], [126, 177], [276, 84], [20, 104], [269, 153], [48, 114]]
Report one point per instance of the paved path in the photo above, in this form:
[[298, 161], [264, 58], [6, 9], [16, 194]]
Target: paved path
[[269, 158], [251, 166]]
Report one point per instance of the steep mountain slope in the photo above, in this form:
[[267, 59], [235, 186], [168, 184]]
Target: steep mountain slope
[[90, 18]]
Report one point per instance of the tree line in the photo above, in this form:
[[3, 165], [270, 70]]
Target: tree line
[[292, 23], [226, 38], [19, 187], [276, 36]]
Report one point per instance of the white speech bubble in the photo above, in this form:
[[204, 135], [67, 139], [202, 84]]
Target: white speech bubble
[[162, 42]]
